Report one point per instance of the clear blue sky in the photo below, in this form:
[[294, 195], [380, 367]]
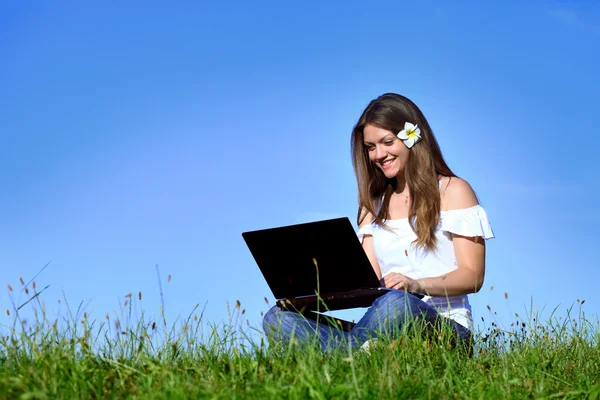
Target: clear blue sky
[[144, 134]]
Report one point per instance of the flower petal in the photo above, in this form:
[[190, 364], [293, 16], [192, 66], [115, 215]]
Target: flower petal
[[402, 134], [408, 126], [417, 131], [409, 142]]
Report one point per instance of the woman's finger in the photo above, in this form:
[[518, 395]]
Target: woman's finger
[[393, 277], [387, 281], [396, 282]]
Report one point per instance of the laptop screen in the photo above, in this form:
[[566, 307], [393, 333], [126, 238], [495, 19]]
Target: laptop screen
[[285, 257]]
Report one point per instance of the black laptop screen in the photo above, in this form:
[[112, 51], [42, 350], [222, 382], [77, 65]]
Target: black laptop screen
[[285, 257]]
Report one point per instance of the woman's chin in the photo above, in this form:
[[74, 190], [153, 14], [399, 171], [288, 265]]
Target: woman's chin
[[391, 173]]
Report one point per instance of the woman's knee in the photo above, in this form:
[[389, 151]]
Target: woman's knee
[[272, 319], [283, 321], [401, 304], [397, 299]]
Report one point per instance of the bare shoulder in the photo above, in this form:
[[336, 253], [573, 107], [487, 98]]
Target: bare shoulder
[[457, 193]]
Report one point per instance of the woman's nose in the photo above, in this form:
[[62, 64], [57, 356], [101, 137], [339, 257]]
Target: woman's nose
[[379, 152]]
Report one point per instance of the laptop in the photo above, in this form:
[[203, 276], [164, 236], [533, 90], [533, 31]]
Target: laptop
[[323, 257]]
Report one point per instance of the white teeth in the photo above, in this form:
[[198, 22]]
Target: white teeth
[[388, 162]]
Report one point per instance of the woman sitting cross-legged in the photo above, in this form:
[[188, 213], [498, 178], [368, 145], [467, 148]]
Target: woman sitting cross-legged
[[421, 227]]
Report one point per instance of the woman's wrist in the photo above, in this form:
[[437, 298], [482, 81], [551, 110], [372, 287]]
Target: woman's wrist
[[445, 285], [422, 285], [434, 286]]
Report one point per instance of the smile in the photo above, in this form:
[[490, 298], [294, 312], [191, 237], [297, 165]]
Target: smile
[[386, 164]]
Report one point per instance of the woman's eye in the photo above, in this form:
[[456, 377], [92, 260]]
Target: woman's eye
[[389, 142]]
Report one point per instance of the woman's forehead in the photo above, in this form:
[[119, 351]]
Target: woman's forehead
[[374, 133]]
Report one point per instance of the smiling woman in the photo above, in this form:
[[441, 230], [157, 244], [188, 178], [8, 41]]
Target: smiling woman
[[421, 227]]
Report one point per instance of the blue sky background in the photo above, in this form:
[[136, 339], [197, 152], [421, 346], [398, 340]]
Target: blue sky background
[[143, 134]]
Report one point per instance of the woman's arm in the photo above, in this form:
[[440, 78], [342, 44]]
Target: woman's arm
[[470, 251], [367, 244]]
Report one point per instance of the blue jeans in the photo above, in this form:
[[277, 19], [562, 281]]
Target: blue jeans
[[388, 316]]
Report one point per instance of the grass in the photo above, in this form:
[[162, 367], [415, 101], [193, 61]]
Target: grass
[[129, 357]]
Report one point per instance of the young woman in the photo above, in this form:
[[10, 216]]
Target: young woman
[[420, 225]]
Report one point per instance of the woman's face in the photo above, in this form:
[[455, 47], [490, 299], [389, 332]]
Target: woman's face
[[386, 151]]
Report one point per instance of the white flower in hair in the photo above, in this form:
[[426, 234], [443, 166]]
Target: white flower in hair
[[411, 134]]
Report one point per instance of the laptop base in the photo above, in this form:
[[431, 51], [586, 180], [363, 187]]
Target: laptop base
[[336, 301]]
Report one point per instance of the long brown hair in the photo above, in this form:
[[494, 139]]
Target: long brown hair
[[425, 163]]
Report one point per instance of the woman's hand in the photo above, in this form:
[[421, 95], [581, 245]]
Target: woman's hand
[[395, 280]]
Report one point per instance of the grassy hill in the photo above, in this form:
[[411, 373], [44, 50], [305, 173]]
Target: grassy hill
[[102, 359], [148, 359]]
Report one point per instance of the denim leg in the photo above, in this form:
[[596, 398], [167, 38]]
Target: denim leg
[[281, 325], [394, 311]]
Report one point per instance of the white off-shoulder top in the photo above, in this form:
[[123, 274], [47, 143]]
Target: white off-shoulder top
[[395, 252]]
